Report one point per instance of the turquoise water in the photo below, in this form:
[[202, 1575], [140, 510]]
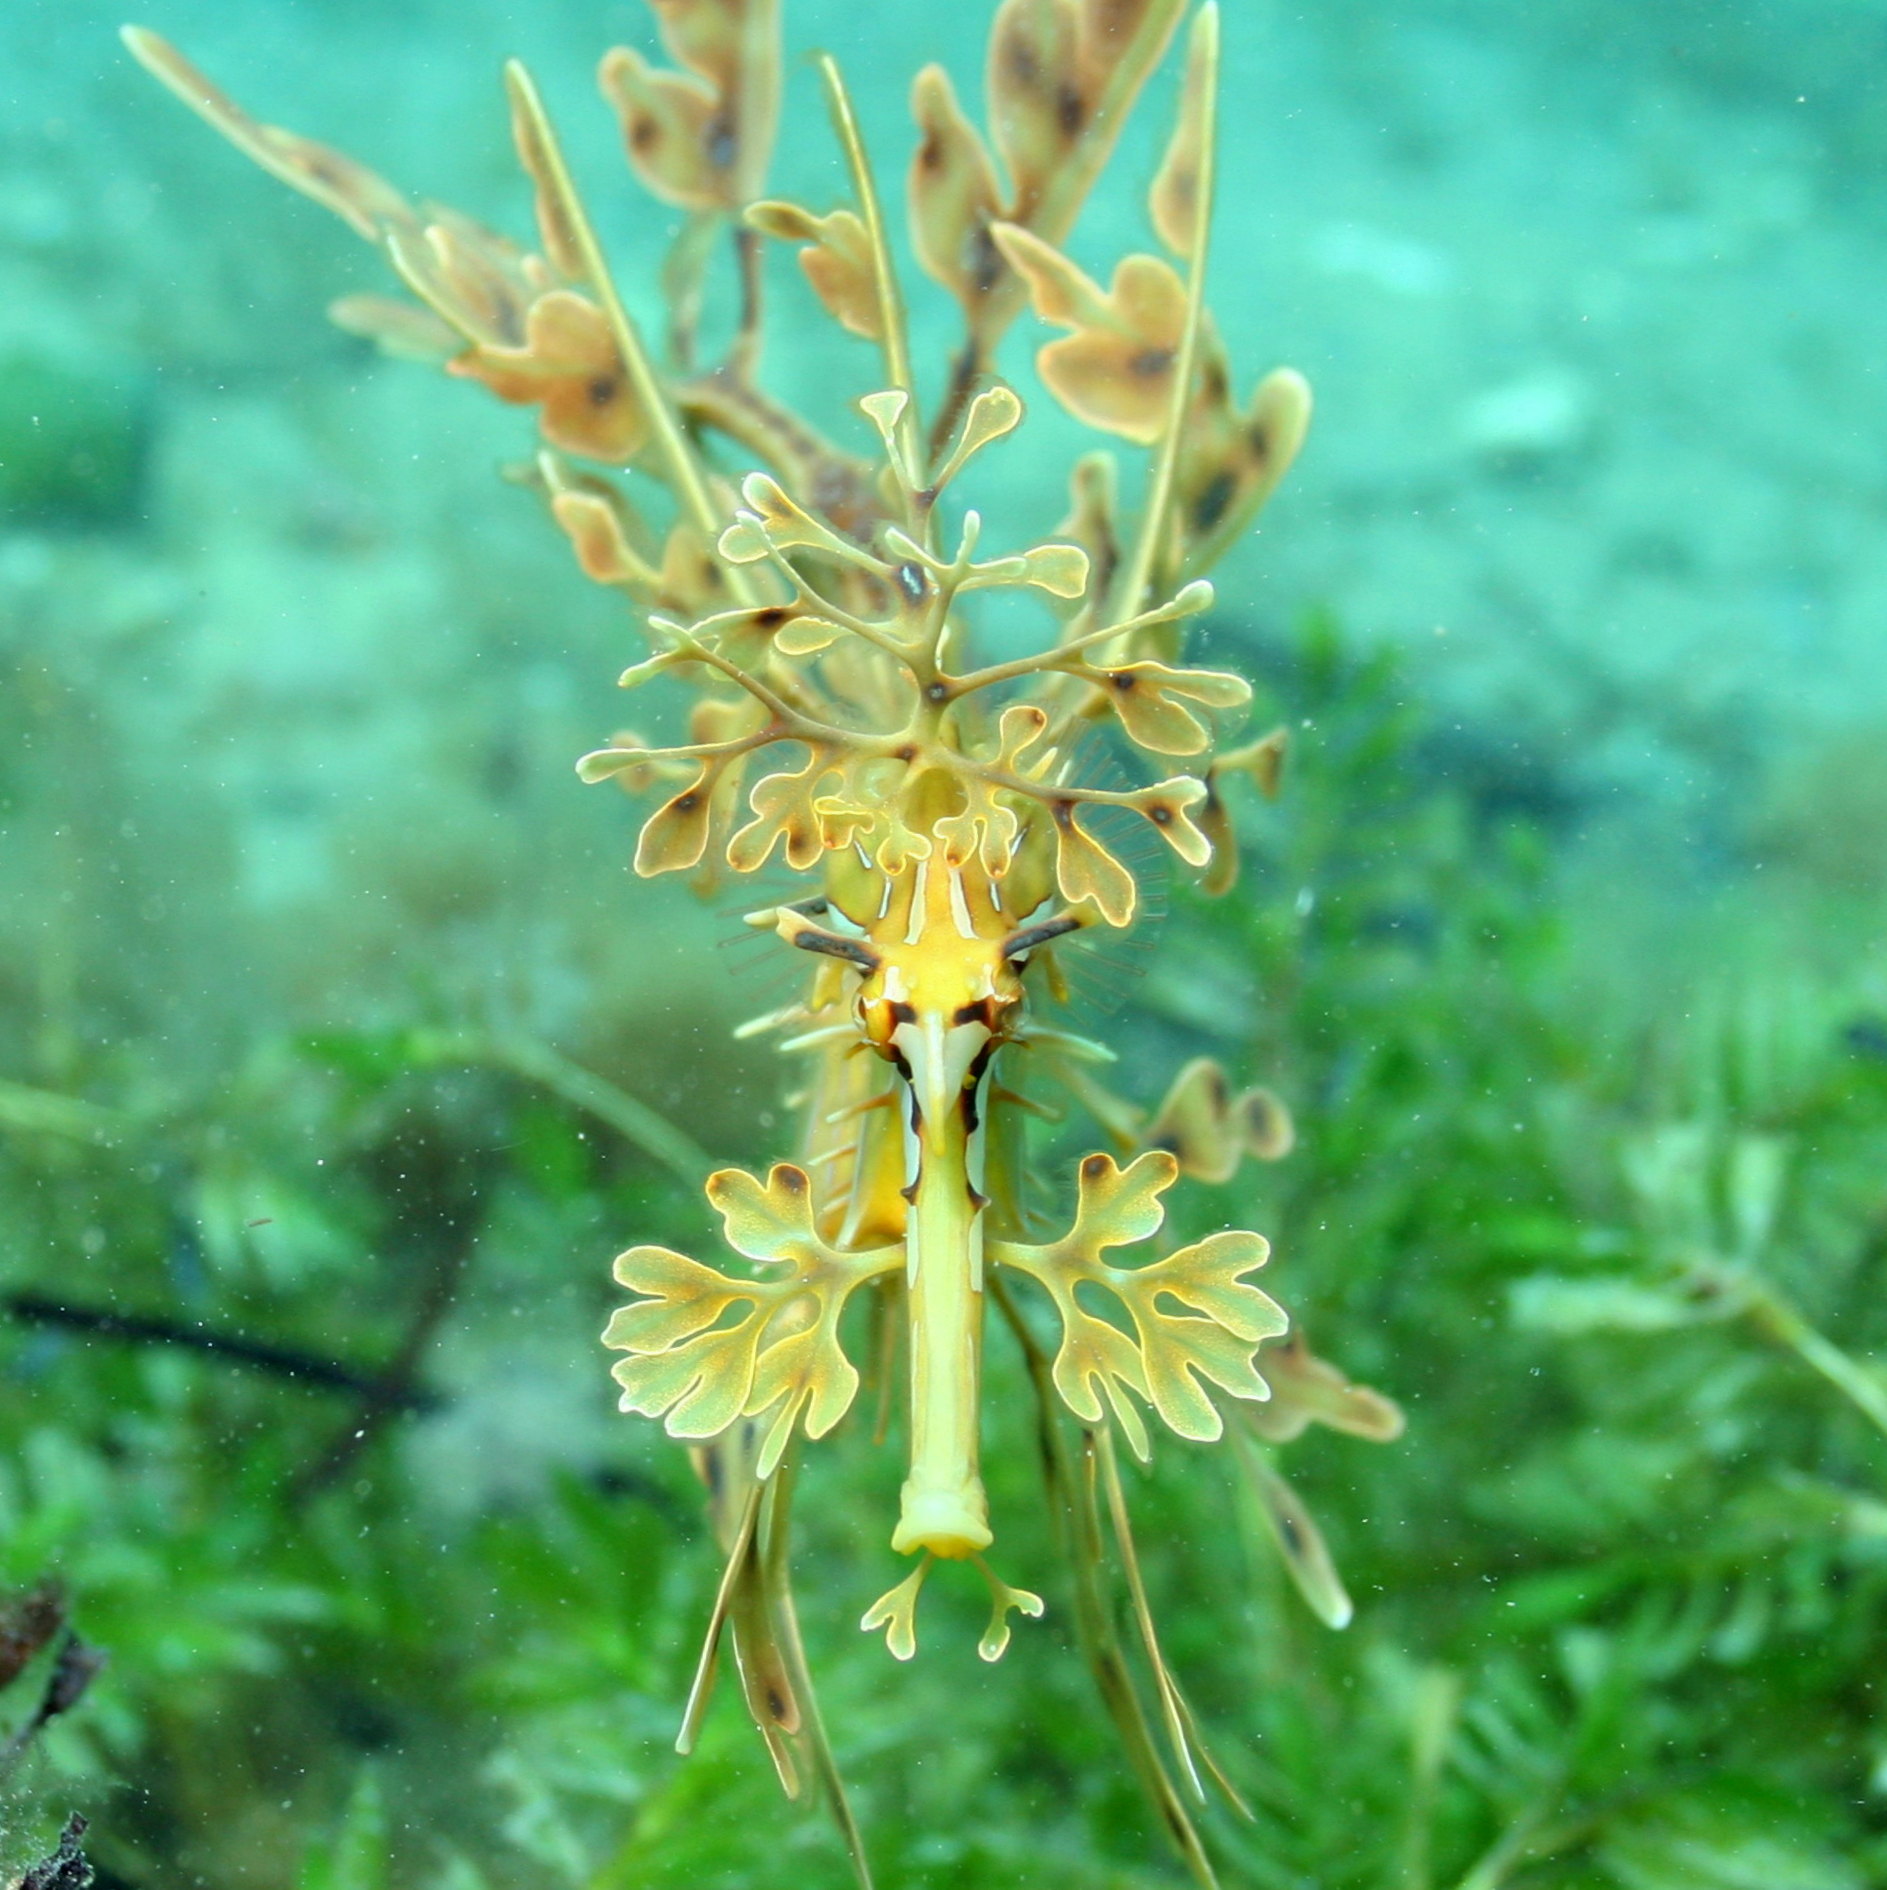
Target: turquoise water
[[1590, 296]]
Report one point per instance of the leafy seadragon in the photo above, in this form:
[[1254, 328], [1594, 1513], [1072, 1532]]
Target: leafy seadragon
[[952, 842]]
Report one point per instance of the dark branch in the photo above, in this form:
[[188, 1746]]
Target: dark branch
[[284, 1362]]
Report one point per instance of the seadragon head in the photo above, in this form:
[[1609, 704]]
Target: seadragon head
[[940, 962]]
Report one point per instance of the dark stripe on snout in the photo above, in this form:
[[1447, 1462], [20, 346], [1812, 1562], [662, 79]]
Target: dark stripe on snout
[[973, 1088]]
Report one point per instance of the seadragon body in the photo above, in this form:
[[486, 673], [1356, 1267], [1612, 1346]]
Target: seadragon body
[[819, 609]]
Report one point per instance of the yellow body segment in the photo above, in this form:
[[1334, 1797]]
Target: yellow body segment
[[937, 1004]]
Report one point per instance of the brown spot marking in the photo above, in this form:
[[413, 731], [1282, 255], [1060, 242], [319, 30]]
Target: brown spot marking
[[1124, 681], [986, 260], [912, 581], [937, 692], [1149, 363], [1063, 813], [930, 155], [791, 1180], [777, 1706], [1214, 502], [1212, 383], [1071, 110], [770, 616], [1259, 441], [600, 390], [906, 753], [645, 133], [1094, 1167], [1159, 813], [685, 803], [719, 143]]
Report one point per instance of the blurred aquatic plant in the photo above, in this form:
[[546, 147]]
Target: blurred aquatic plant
[[957, 836]]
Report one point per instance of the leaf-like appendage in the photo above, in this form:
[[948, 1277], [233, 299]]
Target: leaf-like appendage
[[628, 762], [681, 1367], [675, 836], [706, 35], [597, 534], [468, 275], [397, 329], [1085, 870], [1168, 806], [1060, 570], [673, 129], [684, 1298], [836, 259], [1197, 1123], [1115, 371], [805, 636], [1262, 762], [1038, 104], [1174, 198], [1294, 1529], [1095, 1354], [1003, 1602], [744, 637], [555, 207], [986, 830], [1018, 729], [1209, 1129], [366, 202], [785, 524], [1214, 1338], [1150, 699], [770, 1220], [994, 412], [953, 193], [569, 363], [896, 1612], [1230, 462], [1308, 1390], [784, 815], [802, 1377], [781, 1361], [1060, 291]]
